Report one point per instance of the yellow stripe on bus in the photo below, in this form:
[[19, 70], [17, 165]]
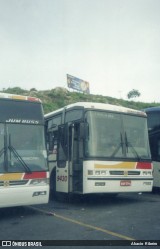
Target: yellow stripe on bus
[[122, 165], [19, 97], [12, 176]]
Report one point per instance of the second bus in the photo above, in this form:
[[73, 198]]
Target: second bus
[[98, 148]]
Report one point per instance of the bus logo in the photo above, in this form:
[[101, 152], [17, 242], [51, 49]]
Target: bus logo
[[6, 184]]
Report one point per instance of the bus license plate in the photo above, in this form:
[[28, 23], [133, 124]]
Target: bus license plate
[[125, 183]]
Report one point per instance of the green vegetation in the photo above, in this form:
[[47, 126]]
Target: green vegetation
[[133, 94], [59, 97]]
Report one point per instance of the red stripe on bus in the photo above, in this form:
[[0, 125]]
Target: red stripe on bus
[[143, 165], [33, 99], [35, 175]]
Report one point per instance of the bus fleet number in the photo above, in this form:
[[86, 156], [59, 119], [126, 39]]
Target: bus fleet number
[[62, 178]]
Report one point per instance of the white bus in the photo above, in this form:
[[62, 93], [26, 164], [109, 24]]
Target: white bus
[[24, 173], [153, 117], [98, 148]]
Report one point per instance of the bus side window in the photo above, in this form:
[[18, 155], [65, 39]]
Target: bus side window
[[62, 148], [52, 145]]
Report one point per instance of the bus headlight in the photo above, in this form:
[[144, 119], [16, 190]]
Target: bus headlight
[[103, 172], [39, 193], [147, 173], [90, 172], [97, 172]]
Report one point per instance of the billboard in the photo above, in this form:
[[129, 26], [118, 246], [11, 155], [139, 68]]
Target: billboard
[[77, 84]]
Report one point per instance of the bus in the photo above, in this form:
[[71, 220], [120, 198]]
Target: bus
[[153, 117], [24, 173], [98, 148]]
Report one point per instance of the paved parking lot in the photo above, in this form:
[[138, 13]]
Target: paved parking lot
[[123, 219]]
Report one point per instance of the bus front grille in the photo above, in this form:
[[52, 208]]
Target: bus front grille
[[13, 183], [124, 172]]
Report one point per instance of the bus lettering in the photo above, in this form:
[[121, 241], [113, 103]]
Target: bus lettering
[[62, 178], [11, 120]]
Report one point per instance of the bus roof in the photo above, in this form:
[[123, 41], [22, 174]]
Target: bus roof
[[18, 97], [152, 109], [100, 106]]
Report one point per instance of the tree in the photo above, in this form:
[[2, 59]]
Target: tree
[[133, 94], [33, 90], [15, 90]]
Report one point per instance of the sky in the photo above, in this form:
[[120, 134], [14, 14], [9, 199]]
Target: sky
[[112, 44]]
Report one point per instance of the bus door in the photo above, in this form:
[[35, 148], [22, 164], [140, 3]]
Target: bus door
[[62, 169], [76, 157]]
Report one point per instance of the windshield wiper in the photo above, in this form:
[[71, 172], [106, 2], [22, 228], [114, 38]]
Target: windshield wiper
[[120, 145], [128, 144], [4, 151], [134, 151], [1, 151], [19, 158]]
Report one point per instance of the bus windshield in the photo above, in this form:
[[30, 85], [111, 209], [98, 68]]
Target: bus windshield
[[117, 136], [22, 148]]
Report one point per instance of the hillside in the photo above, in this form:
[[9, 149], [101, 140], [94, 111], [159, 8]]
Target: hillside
[[59, 97]]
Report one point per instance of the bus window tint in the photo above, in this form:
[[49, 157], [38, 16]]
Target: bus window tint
[[28, 142], [136, 136], [116, 135], [104, 134]]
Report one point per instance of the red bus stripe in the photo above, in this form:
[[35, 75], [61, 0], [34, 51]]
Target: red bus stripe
[[143, 165], [35, 175]]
